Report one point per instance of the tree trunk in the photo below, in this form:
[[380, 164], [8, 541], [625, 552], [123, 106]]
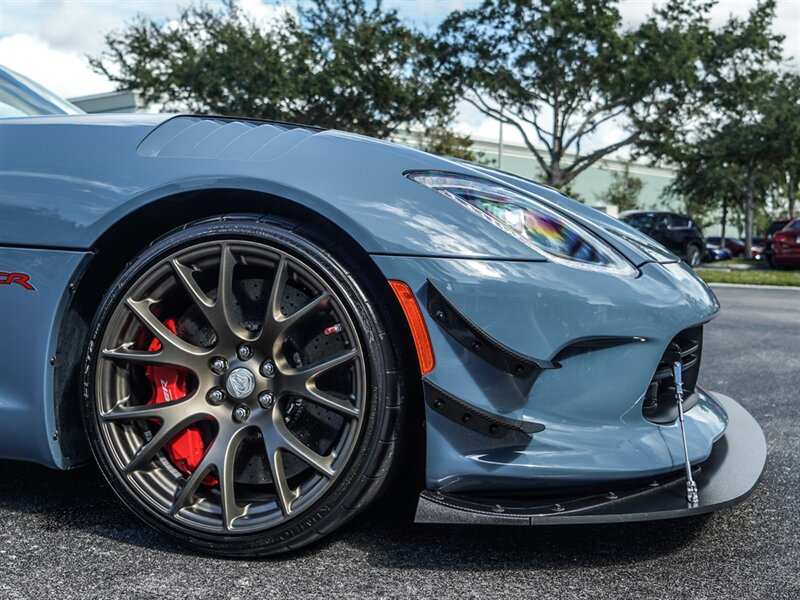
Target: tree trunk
[[791, 189], [748, 211], [724, 223]]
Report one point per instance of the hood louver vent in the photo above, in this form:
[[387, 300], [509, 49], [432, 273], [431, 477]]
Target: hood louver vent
[[223, 138]]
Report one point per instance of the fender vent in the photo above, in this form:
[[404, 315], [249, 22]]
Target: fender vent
[[223, 138]]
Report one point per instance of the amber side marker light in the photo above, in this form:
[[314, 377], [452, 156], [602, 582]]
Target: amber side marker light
[[419, 331]]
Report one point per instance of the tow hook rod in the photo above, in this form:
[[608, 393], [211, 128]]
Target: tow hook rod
[[691, 486]]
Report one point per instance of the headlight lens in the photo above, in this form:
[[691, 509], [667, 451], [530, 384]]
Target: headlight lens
[[557, 237]]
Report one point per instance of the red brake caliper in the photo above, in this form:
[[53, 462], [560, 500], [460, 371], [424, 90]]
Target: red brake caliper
[[186, 449]]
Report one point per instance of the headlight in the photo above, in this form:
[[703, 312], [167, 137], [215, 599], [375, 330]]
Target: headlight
[[549, 232]]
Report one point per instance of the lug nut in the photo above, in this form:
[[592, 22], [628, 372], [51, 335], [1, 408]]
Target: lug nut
[[267, 369], [244, 352], [218, 365], [266, 399], [241, 413], [215, 396]]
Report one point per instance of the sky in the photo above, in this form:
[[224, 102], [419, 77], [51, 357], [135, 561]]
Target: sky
[[49, 40]]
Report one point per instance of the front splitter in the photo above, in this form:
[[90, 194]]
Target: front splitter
[[727, 477]]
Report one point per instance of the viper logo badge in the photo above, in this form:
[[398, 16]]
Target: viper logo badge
[[20, 279]]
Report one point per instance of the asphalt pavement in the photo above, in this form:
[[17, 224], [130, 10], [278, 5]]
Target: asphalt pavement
[[64, 535]]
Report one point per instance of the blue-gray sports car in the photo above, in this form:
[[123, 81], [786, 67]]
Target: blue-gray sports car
[[251, 326]]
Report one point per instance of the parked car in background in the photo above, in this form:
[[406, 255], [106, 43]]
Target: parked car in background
[[678, 233], [757, 249], [773, 228], [735, 245], [715, 253], [786, 246]]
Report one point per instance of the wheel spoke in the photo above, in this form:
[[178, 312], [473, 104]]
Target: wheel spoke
[[161, 357], [284, 494], [288, 441], [272, 315], [309, 374], [186, 492], [163, 412], [224, 319], [141, 308], [185, 275], [316, 395], [168, 430], [225, 471], [317, 303], [276, 292]]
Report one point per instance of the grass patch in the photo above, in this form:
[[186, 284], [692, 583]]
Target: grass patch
[[751, 277], [743, 261]]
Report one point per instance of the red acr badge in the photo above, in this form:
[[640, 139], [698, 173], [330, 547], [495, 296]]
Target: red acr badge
[[21, 279]]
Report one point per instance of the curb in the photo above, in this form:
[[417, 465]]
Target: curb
[[754, 286]]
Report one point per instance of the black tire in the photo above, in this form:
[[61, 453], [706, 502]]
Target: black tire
[[356, 291], [694, 255]]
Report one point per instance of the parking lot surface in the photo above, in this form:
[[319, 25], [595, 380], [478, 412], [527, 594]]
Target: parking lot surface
[[64, 535]]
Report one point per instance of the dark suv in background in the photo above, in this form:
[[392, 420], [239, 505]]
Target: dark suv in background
[[678, 233]]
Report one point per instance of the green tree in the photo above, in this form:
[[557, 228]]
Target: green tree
[[442, 141], [559, 70], [623, 191], [705, 183], [745, 148], [347, 64]]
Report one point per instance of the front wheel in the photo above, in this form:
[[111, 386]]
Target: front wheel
[[241, 390]]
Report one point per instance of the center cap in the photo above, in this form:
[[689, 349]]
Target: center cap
[[241, 383]]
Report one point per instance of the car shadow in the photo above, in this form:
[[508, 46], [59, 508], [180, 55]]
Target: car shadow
[[77, 499], [387, 534], [80, 499]]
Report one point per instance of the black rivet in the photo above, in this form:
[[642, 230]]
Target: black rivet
[[439, 315], [52, 360], [466, 418], [519, 370], [493, 428], [439, 403], [476, 345]]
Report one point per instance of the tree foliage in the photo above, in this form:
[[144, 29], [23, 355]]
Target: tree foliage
[[348, 64], [744, 147], [559, 71], [623, 191]]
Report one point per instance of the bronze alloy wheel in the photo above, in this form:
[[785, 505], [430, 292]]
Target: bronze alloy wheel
[[231, 386]]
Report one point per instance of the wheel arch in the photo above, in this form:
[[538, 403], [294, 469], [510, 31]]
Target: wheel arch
[[122, 240]]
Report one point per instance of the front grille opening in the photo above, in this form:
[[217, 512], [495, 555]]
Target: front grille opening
[[660, 405]]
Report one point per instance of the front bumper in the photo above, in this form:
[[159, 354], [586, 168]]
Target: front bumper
[[590, 405], [725, 478]]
